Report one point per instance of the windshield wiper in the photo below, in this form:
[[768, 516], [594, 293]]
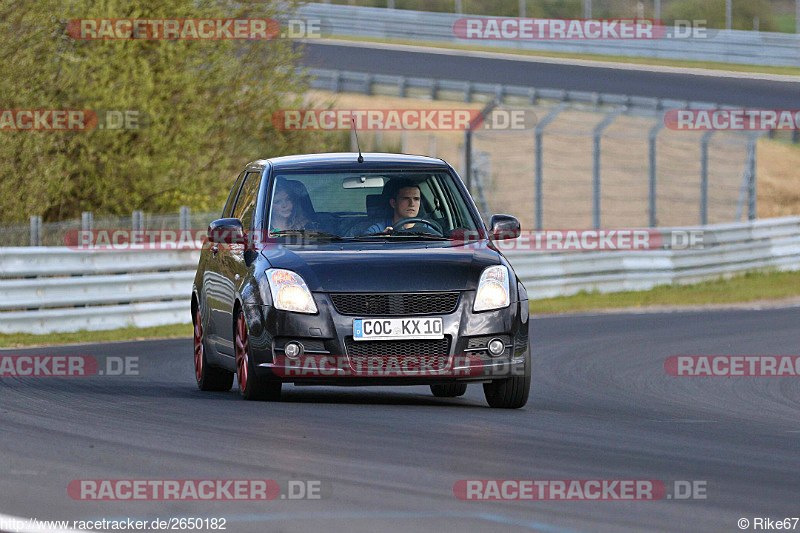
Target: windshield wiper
[[306, 233], [406, 233]]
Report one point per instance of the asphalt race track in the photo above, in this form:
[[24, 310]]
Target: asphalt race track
[[753, 93], [602, 407]]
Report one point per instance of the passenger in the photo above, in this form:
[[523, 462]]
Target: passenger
[[289, 211]]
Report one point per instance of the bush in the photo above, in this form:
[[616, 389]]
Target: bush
[[207, 106]]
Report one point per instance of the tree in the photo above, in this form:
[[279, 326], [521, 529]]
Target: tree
[[203, 108]]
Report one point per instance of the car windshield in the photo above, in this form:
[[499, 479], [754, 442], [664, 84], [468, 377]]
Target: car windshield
[[344, 205]]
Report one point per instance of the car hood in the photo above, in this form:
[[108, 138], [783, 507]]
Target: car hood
[[385, 267]]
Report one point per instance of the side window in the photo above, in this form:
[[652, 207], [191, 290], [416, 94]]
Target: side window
[[246, 204], [226, 212]]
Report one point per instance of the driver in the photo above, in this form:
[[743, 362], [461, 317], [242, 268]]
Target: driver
[[404, 203]]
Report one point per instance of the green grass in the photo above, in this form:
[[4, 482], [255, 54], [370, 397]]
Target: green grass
[[750, 287], [16, 340], [734, 67], [785, 22]]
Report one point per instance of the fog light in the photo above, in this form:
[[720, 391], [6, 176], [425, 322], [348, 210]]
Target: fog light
[[496, 347], [293, 349]]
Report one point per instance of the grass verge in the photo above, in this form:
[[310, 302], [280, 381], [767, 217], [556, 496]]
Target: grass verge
[[762, 286], [653, 61], [18, 340]]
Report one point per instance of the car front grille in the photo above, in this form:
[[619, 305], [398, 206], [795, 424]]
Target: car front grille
[[410, 355], [395, 304], [426, 347]]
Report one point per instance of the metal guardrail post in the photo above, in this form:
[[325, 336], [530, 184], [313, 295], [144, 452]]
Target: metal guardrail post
[[401, 86], [137, 221], [368, 84], [704, 176], [596, 134], [538, 132], [185, 218], [36, 230], [87, 221], [468, 92], [653, 186]]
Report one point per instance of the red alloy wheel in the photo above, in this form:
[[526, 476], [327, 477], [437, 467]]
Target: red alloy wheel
[[198, 346], [242, 347]]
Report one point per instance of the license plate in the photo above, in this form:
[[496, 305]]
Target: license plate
[[386, 329]]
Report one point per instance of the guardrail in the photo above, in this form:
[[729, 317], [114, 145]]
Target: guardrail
[[57, 289], [44, 290], [407, 86], [723, 46], [736, 248]]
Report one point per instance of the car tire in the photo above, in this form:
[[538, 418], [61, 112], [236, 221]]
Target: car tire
[[510, 393], [449, 390], [251, 385], [208, 378]]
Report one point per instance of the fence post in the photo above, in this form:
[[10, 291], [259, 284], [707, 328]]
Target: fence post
[[432, 145], [87, 221], [704, 176], [474, 123], [752, 211], [185, 218], [137, 221], [36, 230], [468, 159], [538, 132], [653, 193], [598, 131]]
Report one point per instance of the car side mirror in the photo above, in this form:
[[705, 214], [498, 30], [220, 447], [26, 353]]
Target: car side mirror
[[504, 227], [226, 231]]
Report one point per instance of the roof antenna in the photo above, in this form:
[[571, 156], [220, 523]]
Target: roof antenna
[[360, 157]]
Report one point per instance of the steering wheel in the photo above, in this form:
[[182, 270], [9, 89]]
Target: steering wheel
[[398, 226]]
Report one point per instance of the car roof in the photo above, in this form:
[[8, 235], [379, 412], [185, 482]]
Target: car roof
[[349, 160]]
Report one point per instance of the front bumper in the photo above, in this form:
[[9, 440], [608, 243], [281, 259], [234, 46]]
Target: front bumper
[[327, 335]]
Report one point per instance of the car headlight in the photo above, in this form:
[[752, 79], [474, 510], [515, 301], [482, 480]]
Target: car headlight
[[492, 289], [289, 291]]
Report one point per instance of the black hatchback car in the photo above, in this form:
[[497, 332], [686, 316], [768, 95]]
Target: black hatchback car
[[337, 269]]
